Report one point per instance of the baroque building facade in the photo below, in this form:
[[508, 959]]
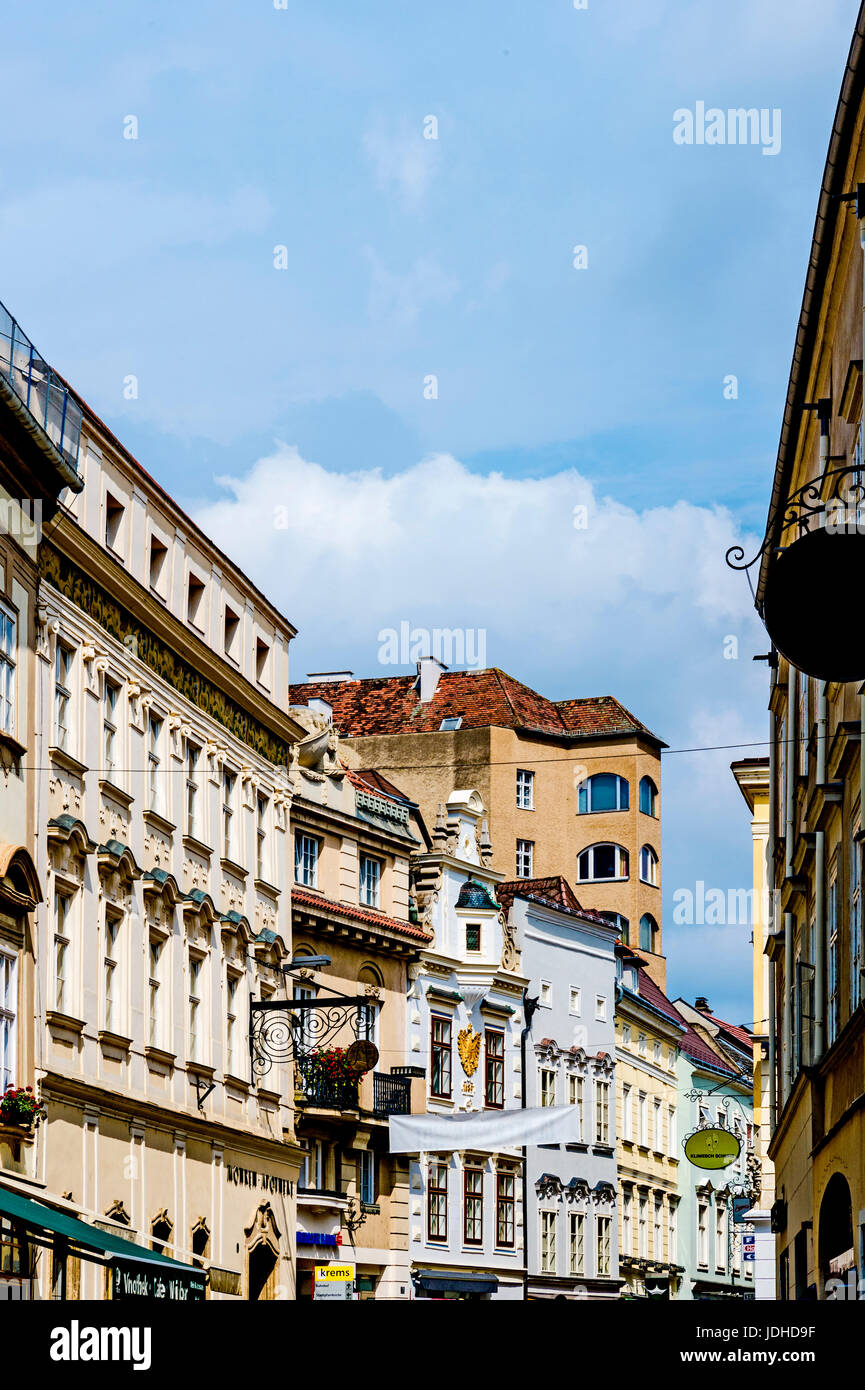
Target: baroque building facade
[[163, 750]]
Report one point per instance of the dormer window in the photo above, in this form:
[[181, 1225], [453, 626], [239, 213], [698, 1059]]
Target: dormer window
[[452, 722]]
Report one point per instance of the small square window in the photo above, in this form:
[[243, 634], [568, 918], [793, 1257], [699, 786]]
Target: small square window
[[575, 1004], [600, 1007], [473, 936], [546, 992], [452, 722]]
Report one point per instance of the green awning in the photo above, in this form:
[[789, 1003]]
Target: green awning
[[42, 1218]]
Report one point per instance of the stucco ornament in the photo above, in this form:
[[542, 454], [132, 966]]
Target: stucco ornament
[[469, 1044], [510, 950]]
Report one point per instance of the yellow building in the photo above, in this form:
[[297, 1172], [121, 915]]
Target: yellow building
[[811, 563], [571, 786], [648, 1032]]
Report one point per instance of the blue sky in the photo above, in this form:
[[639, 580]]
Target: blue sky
[[303, 128]]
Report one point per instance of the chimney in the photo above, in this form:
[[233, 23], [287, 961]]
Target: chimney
[[429, 668], [701, 1004], [325, 677], [322, 707]]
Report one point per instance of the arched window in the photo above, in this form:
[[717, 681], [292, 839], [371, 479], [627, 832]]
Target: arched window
[[621, 923], [648, 932], [603, 792], [600, 862], [648, 797], [160, 1232], [649, 865]]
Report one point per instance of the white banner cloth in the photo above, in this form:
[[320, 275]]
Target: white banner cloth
[[489, 1130]]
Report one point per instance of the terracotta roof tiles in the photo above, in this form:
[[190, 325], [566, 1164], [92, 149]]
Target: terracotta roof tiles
[[303, 898]]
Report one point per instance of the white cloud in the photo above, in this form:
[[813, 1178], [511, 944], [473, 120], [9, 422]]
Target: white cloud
[[403, 162]]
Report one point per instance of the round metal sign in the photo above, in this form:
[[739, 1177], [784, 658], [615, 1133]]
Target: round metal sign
[[712, 1148], [362, 1054], [810, 603]]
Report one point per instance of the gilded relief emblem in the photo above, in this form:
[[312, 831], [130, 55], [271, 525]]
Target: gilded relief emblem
[[469, 1044]]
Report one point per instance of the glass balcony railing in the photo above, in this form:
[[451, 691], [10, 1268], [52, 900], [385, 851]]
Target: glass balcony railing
[[39, 389]]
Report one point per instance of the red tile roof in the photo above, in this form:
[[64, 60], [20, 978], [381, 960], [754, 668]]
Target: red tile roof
[[390, 705], [654, 995], [699, 1051], [374, 784], [741, 1035], [554, 891], [303, 898]]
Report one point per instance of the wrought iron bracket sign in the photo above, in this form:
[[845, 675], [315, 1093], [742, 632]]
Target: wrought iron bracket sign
[[286, 1030]]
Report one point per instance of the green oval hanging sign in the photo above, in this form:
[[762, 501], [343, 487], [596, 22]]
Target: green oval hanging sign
[[712, 1148]]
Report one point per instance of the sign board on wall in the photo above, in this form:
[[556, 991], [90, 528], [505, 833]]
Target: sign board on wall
[[713, 1147], [333, 1283]]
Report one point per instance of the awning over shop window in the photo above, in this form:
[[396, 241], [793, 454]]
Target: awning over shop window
[[452, 1281], [41, 1218]]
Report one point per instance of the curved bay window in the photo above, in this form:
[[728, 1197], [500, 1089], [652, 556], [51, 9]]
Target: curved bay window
[[648, 797], [649, 866], [648, 932], [600, 862], [606, 791]]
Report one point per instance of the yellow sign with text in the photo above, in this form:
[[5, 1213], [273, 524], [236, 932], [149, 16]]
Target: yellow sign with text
[[334, 1274]]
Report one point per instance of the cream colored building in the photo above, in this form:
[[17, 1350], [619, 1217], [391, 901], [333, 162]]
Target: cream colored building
[[164, 796]]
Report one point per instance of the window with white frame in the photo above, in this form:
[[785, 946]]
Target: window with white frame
[[112, 977], [110, 696], [370, 881], [232, 990], [195, 1011], [575, 1098], [606, 791], [803, 730], [545, 993], [658, 1231], [8, 1019], [525, 858], [525, 789], [603, 1228], [643, 1227], [627, 1114], [262, 842], [305, 860], [649, 865], [600, 1008], [643, 1119], [575, 1001], [703, 1235], [601, 862], [648, 797], [641, 1044], [193, 755], [602, 1112], [62, 951], [656, 1051], [548, 1242], [577, 1242], [547, 1079], [673, 1231], [673, 1138], [856, 955], [155, 800], [832, 949], [8, 660], [154, 997], [720, 1236], [63, 656], [229, 792], [627, 1221], [626, 1034], [368, 1187], [657, 1127]]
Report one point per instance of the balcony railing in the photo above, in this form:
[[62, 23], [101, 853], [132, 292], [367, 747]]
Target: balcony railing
[[317, 1090], [39, 389], [391, 1095]]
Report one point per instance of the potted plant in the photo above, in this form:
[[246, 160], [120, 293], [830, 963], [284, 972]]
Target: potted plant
[[19, 1108], [331, 1067]]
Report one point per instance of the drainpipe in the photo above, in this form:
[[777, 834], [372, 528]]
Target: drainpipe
[[820, 892], [529, 1007], [772, 915]]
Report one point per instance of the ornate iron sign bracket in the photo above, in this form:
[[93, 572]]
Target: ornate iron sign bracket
[[807, 507], [285, 1030]]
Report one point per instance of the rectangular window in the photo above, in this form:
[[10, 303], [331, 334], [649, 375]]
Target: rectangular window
[[8, 1019], [8, 659], [657, 1127], [602, 1112], [658, 1250], [575, 1097], [112, 952], [505, 1193], [643, 1228], [368, 1185], [229, 783], [154, 982], [803, 731], [494, 1059], [627, 1222], [600, 1008], [110, 692], [154, 763], [856, 960], [232, 984], [673, 1232], [575, 1001], [702, 1235], [832, 946], [720, 1237], [194, 1009], [627, 1113], [370, 881], [473, 1206], [62, 921], [673, 1137], [548, 1242], [547, 1086], [602, 1230], [192, 755], [62, 695], [306, 860], [576, 1242], [473, 937], [440, 1050], [525, 858], [437, 1201], [525, 789], [262, 852], [643, 1119]]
